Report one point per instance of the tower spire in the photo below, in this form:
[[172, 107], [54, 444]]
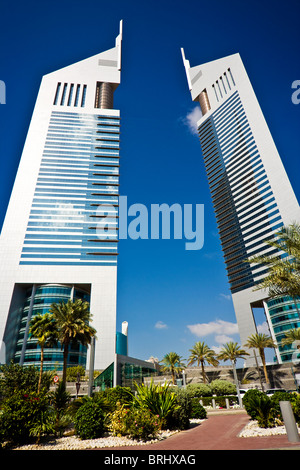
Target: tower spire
[[186, 64]]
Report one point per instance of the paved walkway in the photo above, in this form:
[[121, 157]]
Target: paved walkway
[[218, 432]]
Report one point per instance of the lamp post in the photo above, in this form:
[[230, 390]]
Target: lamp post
[[183, 379], [237, 384], [77, 384], [91, 371]]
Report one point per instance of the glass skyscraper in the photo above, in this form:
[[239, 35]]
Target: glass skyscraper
[[52, 248], [250, 190]]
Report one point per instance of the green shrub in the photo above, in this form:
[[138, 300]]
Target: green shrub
[[207, 401], [141, 424], [294, 398], [14, 377], [216, 387], [267, 409], [118, 421], [43, 426], [280, 396], [264, 409], [60, 400], [79, 402], [179, 417], [199, 390], [221, 401], [197, 411], [252, 393], [21, 413], [73, 371], [116, 395], [222, 387], [89, 420], [160, 400], [296, 406], [135, 423]]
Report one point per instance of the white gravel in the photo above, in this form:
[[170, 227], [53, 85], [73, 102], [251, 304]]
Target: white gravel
[[253, 430], [74, 443]]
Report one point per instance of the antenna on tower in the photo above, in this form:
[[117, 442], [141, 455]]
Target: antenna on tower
[[187, 66], [119, 44]]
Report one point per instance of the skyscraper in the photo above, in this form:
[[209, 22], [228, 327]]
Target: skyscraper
[[250, 190], [67, 181]]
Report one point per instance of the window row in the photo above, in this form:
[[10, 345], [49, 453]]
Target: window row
[[69, 94]]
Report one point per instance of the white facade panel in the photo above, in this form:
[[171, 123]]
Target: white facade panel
[[19, 221]]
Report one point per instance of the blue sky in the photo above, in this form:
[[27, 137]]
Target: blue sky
[[163, 289]]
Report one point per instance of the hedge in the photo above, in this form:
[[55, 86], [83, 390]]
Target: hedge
[[220, 401]]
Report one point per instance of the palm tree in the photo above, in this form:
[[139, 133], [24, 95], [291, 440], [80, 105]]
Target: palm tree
[[261, 341], [292, 336], [172, 362], [73, 325], [284, 268], [201, 353], [231, 352], [59, 401], [44, 329]]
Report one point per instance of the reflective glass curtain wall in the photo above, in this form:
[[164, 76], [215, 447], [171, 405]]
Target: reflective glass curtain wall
[[243, 200], [79, 173], [38, 301], [284, 313]]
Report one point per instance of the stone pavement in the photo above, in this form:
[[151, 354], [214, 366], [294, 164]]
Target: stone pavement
[[218, 432]]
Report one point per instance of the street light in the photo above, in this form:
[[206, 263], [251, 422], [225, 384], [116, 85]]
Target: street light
[[91, 371], [77, 384]]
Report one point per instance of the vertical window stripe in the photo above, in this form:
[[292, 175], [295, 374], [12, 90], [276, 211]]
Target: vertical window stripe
[[64, 94], [57, 93], [70, 94], [77, 95], [83, 96]]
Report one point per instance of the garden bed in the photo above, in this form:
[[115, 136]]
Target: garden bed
[[75, 443], [107, 441], [253, 430]]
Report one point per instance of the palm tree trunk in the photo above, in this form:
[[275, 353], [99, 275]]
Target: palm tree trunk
[[173, 376], [203, 372], [41, 368], [263, 359], [66, 352]]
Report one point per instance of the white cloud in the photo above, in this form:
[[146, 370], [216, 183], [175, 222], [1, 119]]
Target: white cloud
[[192, 118], [263, 328], [218, 327], [217, 349], [226, 296], [160, 325], [223, 339]]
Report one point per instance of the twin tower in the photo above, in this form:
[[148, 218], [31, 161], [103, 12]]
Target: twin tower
[[50, 250]]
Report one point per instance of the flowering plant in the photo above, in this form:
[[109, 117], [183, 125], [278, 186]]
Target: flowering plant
[[136, 423]]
